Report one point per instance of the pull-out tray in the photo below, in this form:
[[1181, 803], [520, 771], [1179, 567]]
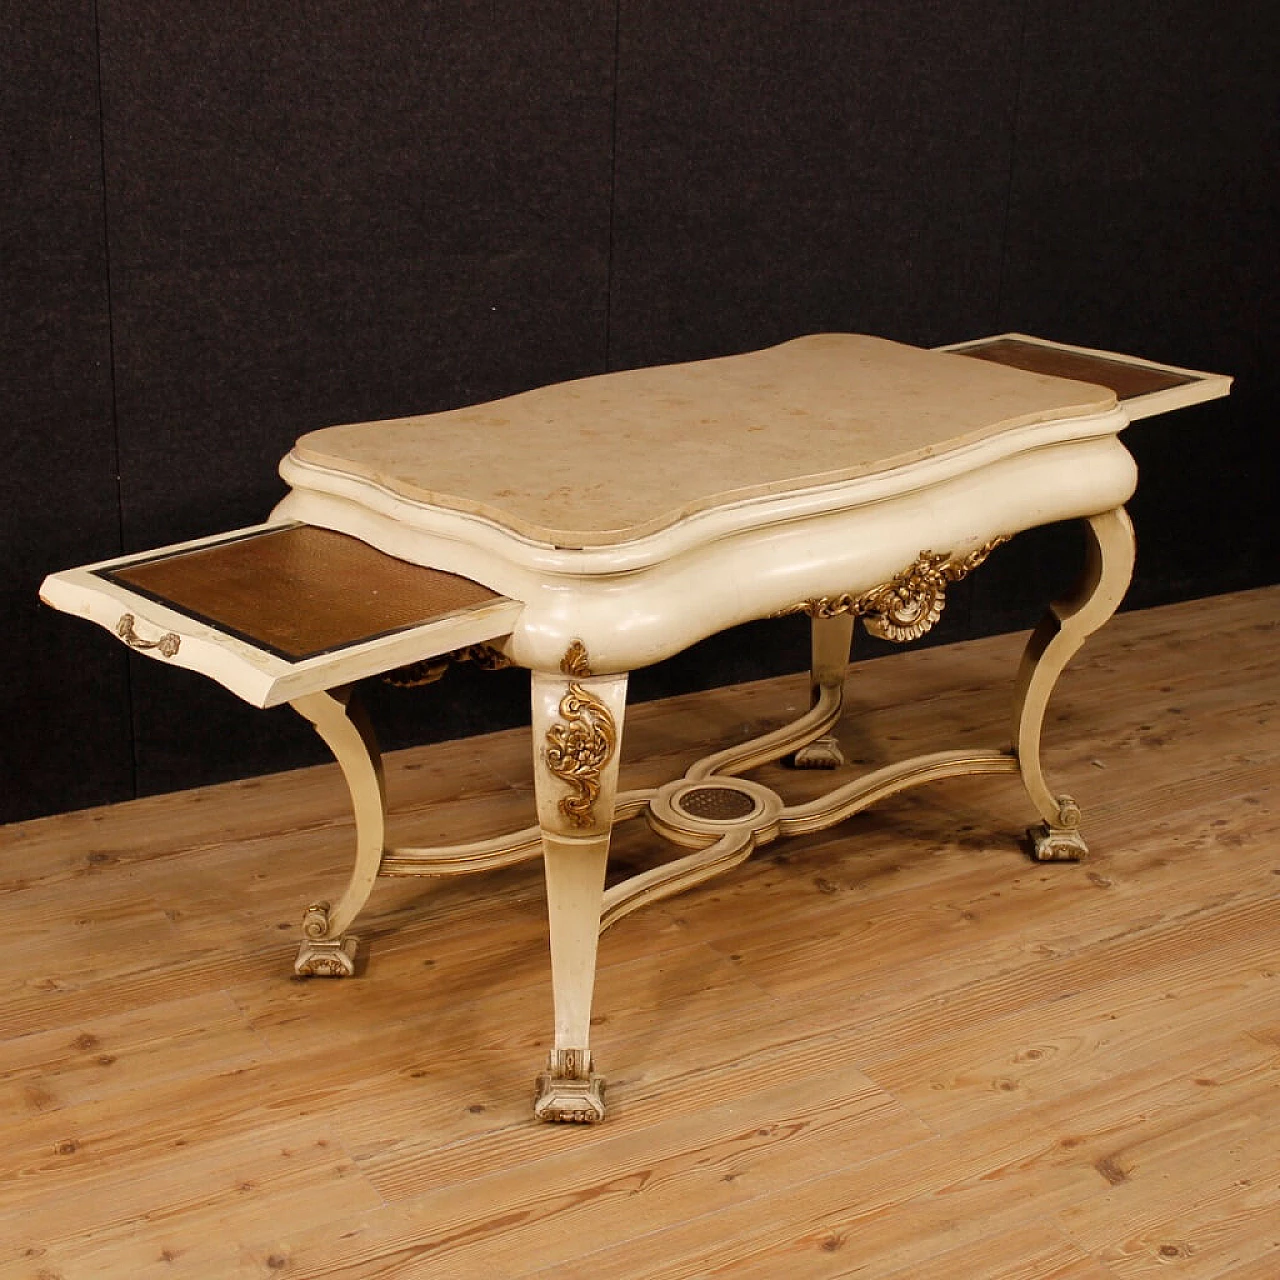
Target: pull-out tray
[[1142, 386], [277, 611]]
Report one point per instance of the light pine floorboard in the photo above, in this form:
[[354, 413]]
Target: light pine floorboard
[[895, 1049]]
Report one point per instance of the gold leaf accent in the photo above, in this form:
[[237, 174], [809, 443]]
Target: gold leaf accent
[[315, 923], [429, 670], [908, 605], [580, 746], [575, 661]]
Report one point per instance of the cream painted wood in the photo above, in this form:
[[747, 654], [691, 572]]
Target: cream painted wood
[[743, 756], [756, 816], [830, 644], [352, 495], [1066, 626], [891, 780], [753, 815], [260, 677], [680, 874], [1203, 385], [897, 444], [327, 950], [637, 603], [577, 722], [577, 725]]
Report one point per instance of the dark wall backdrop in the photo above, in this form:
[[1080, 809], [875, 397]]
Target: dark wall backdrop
[[223, 225]]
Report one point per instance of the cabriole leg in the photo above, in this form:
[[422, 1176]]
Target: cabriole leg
[[831, 640], [1095, 597], [577, 723], [327, 950]]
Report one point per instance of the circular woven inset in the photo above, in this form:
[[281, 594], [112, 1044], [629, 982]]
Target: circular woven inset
[[717, 804]]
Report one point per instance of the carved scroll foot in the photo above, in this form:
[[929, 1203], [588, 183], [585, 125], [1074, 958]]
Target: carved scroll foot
[[1056, 844], [336, 959], [321, 956], [569, 1092], [821, 753], [1059, 841]]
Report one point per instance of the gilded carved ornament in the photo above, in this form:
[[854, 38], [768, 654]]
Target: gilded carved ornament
[[429, 670], [582, 743], [910, 603]]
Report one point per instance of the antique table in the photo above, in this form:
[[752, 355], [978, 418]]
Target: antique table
[[587, 529]]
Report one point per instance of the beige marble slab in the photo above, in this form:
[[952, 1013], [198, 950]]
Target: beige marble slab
[[610, 458]]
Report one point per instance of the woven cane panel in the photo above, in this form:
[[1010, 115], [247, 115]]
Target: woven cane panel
[[718, 804], [301, 591], [1126, 380]]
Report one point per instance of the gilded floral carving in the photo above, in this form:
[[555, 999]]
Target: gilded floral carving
[[910, 603], [582, 743]]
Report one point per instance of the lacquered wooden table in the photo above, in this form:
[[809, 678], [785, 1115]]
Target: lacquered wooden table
[[587, 529]]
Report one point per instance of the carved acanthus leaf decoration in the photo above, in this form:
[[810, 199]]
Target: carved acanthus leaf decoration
[[581, 745], [910, 603], [575, 661]]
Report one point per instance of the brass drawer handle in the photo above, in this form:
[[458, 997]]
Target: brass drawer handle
[[167, 644]]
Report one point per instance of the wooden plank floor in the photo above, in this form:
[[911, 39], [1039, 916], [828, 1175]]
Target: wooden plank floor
[[898, 1049]]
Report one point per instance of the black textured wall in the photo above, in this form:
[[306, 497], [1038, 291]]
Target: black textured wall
[[224, 225], [65, 735]]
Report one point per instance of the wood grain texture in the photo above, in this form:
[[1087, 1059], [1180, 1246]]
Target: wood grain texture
[[895, 1049], [1125, 379]]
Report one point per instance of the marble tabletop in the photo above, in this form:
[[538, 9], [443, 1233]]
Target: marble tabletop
[[608, 459]]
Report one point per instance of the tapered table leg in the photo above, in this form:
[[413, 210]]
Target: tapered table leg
[[831, 640], [1095, 597], [577, 724]]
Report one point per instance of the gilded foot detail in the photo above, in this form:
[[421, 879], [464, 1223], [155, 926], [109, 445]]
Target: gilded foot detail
[[821, 753], [1060, 841], [1056, 844], [320, 956], [336, 959], [569, 1092]]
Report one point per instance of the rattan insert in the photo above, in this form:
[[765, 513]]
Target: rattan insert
[[717, 804], [1126, 380], [299, 591]]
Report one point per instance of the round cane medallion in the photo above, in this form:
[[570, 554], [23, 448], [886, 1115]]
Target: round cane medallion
[[717, 804]]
